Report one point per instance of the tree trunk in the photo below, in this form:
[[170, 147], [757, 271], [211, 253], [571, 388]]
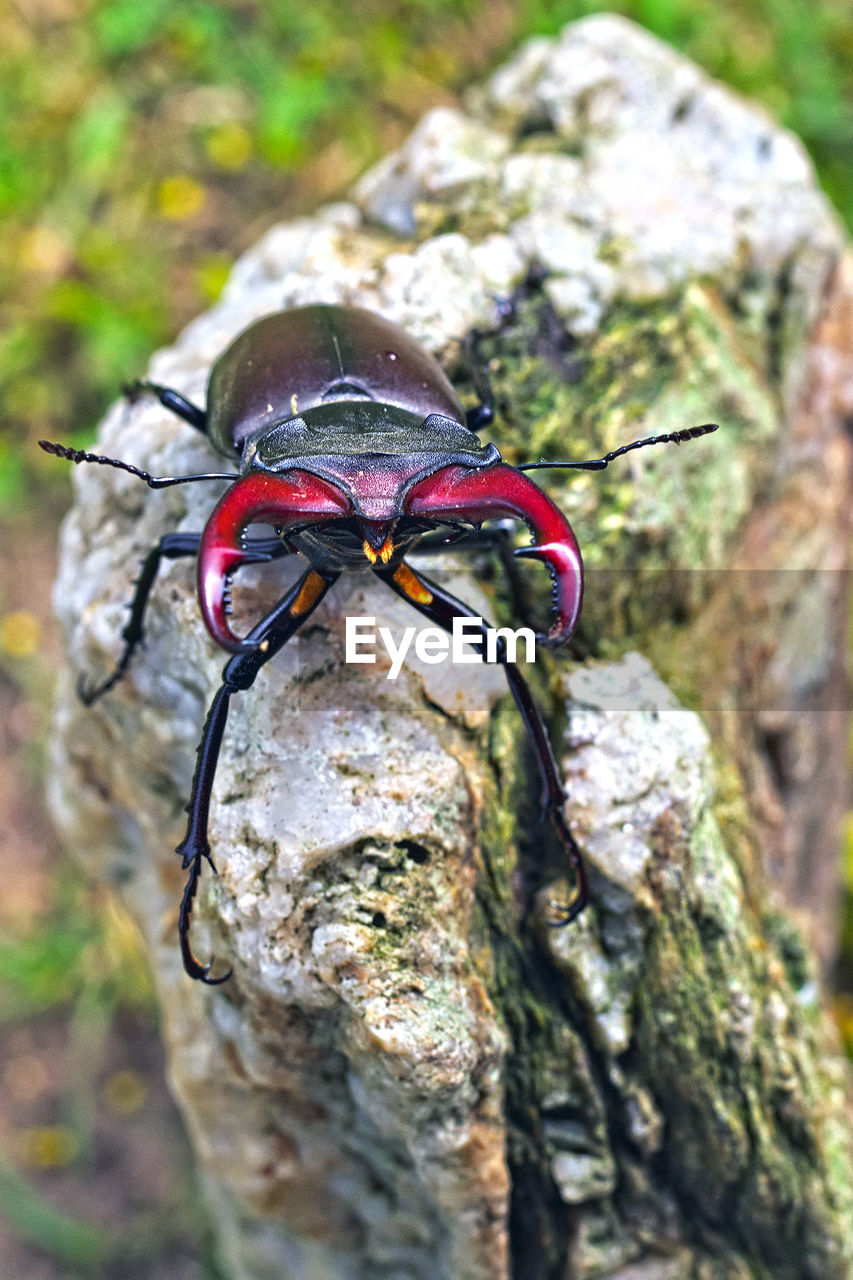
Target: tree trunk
[[410, 1073]]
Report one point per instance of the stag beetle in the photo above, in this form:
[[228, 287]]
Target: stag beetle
[[349, 439]]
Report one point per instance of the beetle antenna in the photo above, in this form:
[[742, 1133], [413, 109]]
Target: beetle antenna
[[598, 464], [154, 482]]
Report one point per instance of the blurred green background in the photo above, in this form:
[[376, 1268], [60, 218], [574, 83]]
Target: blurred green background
[[143, 145]]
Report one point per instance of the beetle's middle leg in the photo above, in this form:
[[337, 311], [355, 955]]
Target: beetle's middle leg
[[270, 634], [442, 608], [170, 547]]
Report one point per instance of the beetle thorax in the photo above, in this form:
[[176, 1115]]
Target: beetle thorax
[[373, 453]]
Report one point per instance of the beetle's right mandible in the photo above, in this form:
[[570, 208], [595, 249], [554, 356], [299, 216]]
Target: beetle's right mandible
[[461, 493], [284, 501]]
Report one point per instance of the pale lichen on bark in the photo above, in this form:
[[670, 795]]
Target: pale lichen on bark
[[410, 1074]]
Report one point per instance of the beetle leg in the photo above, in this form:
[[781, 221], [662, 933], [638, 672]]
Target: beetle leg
[[499, 537], [169, 399], [170, 547], [460, 539], [483, 413], [441, 607], [239, 673]]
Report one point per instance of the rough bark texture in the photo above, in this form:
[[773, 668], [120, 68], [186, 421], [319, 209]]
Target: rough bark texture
[[410, 1075]]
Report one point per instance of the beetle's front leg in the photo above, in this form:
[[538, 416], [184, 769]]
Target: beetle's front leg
[[270, 634], [170, 547], [442, 608], [498, 537]]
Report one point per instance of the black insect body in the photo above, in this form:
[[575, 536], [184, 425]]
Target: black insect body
[[348, 439]]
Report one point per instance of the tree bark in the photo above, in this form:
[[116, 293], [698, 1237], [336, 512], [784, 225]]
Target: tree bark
[[410, 1073]]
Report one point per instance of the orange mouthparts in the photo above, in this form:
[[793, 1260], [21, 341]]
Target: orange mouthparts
[[384, 553]]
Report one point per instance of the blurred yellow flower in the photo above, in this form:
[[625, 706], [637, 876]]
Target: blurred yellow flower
[[180, 197], [20, 634], [125, 1093], [229, 146], [49, 1147]]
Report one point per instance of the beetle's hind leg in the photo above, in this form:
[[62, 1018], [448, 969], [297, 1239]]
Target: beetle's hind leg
[[483, 413], [171, 546], [442, 608], [169, 399]]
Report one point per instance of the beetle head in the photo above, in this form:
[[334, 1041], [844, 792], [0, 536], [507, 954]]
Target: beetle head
[[356, 505]]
